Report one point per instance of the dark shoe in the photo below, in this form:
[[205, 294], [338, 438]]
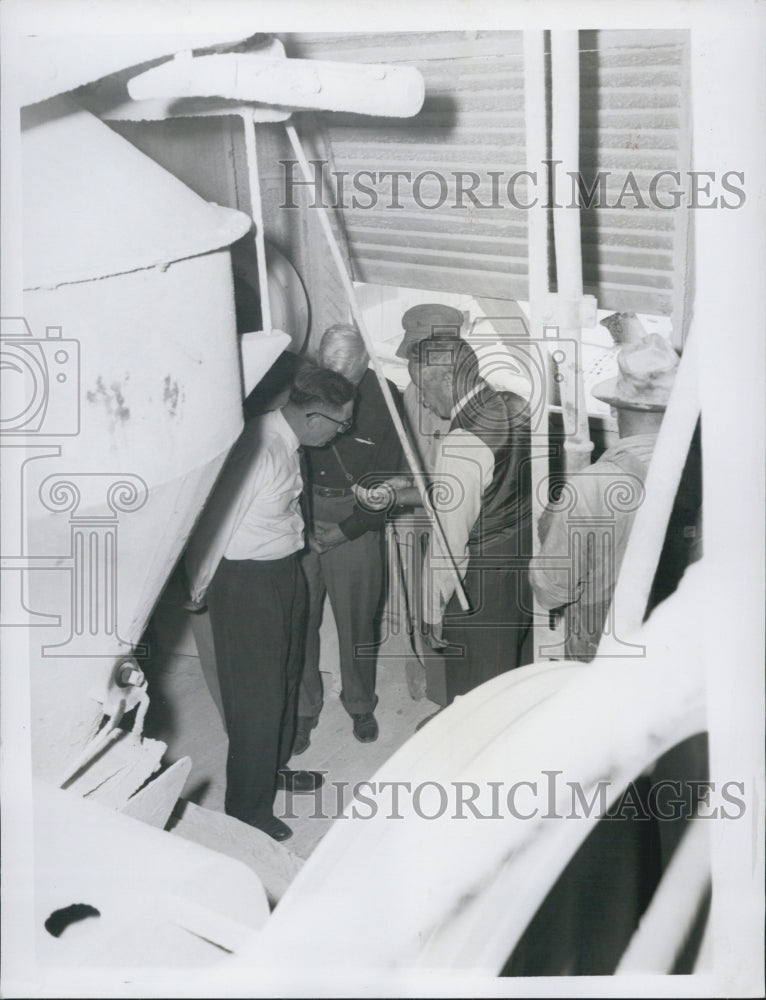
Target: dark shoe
[[299, 782], [365, 727], [303, 729], [275, 828], [428, 718]]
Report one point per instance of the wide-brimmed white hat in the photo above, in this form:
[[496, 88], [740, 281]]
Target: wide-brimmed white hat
[[647, 371]]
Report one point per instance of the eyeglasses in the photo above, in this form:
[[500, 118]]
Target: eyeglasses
[[343, 425]]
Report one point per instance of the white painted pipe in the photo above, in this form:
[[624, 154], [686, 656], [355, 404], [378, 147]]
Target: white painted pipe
[[375, 89], [536, 138], [728, 84], [251, 149], [409, 454], [565, 147], [535, 130]]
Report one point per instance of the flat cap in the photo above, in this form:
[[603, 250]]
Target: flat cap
[[428, 320]]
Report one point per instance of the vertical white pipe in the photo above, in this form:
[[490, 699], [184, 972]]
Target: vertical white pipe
[[565, 147], [728, 111], [536, 138], [535, 132], [255, 203]]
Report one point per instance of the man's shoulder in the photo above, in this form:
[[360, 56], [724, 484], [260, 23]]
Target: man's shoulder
[[488, 416], [369, 387], [267, 435]]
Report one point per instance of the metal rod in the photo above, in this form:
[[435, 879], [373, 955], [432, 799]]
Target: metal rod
[[536, 133], [565, 147], [257, 210], [409, 454]]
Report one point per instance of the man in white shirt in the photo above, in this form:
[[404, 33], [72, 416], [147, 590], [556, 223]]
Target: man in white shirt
[[244, 560]]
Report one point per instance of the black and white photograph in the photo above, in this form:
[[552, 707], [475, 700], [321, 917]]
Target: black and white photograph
[[383, 487]]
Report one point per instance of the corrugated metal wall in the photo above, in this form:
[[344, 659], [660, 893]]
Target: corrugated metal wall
[[633, 98]]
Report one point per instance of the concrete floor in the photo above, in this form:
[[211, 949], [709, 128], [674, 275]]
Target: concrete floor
[[184, 715]]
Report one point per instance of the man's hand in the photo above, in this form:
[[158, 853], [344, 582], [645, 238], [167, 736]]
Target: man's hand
[[313, 543], [195, 606], [544, 524], [326, 536], [380, 497]]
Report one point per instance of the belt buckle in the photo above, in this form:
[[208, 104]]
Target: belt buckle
[[329, 491]]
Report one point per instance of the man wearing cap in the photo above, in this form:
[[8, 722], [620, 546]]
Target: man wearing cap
[[426, 430], [481, 495], [425, 426], [584, 533]]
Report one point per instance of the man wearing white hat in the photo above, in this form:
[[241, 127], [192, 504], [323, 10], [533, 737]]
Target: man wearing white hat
[[585, 531]]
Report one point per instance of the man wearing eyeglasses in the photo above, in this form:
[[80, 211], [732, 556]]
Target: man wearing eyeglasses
[[346, 557], [244, 560]]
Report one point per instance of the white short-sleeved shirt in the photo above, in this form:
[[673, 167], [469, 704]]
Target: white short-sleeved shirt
[[254, 511]]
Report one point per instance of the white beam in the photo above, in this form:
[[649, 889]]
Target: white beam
[[393, 91]]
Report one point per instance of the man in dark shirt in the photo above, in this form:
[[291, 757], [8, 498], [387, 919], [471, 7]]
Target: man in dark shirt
[[483, 502], [346, 556]]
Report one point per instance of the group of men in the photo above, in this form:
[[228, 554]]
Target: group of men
[[298, 514]]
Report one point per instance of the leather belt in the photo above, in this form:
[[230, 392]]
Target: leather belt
[[326, 491]]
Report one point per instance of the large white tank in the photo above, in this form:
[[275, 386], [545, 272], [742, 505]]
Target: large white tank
[[129, 376]]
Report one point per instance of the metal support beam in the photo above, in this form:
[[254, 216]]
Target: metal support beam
[[565, 146]]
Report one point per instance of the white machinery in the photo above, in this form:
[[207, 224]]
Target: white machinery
[[123, 349]]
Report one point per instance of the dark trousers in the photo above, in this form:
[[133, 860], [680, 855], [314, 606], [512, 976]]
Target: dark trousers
[[496, 634], [352, 575], [258, 611]]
